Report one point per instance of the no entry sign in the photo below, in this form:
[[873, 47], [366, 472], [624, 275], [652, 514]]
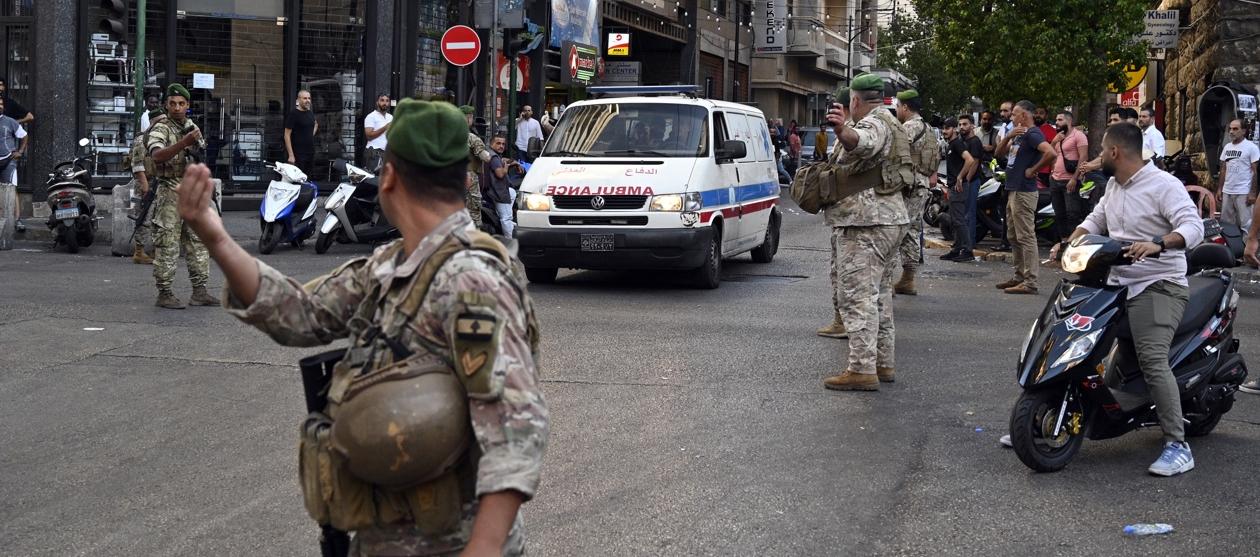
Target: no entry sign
[[460, 45]]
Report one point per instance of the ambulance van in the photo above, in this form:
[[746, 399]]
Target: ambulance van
[[650, 178]]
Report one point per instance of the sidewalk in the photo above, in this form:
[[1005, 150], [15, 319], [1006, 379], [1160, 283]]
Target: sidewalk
[[243, 225]]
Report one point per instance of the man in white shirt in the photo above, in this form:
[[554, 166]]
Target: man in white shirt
[[374, 128], [13, 141], [1151, 137], [526, 128], [151, 103], [1238, 177]]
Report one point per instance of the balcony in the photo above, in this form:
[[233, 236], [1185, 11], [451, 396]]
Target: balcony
[[806, 37]]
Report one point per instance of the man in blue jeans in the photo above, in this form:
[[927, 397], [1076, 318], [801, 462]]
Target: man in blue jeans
[[962, 166], [497, 188]]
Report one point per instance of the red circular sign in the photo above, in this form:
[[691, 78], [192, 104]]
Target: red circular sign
[[461, 45]]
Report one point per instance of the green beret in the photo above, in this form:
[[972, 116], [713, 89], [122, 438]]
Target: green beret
[[907, 95], [467, 109], [430, 134], [177, 89], [842, 96], [867, 82]]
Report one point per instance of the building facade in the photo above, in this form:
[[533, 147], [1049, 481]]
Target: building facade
[[828, 43], [244, 63]]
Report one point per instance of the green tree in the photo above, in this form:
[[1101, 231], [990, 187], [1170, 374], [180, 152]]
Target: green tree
[[1057, 53], [908, 45]]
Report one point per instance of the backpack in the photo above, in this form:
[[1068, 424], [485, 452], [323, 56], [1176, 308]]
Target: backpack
[[899, 168]]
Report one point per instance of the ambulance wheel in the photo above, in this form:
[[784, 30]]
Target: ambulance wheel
[[541, 275], [709, 275], [765, 252]]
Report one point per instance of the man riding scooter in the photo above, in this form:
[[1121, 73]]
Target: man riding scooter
[[1151, 209]]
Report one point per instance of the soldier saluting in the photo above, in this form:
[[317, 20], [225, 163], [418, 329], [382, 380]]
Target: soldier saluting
[[443, 348], [866, 230], [170, 142]]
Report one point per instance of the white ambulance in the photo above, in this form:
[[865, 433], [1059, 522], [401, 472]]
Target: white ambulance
[[650, 178]]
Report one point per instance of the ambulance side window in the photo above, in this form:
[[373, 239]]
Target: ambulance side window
[[719, 130], [759, 138]]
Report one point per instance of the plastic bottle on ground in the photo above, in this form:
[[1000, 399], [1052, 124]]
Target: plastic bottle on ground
[[1136, 530]]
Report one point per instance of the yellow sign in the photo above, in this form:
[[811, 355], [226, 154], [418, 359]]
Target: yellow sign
[[1133, 76]]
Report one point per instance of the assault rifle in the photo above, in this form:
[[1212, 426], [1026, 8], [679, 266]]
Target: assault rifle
[[316, 375], [145, 205]]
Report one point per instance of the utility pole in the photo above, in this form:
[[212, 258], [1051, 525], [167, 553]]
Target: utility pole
[[739, 10], [848, 40], [141, 9]]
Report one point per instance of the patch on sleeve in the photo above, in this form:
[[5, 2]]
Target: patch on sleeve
[[475, 344]]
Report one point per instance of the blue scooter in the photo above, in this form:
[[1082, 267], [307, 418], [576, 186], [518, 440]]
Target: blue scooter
[[288, 209]]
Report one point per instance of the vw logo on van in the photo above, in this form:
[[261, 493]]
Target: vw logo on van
[[597, 202]]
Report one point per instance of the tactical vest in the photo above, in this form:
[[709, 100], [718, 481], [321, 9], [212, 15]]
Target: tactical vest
[[394, 442], [173, 168], [927, 158], [139, 150], [898, 170]]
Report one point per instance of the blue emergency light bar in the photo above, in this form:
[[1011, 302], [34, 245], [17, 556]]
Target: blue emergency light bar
[[644, 90]]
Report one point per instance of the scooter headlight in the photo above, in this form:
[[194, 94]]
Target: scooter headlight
[[535, 202], [1076, 258], [1079, 349]]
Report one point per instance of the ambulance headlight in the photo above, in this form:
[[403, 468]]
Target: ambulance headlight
[[675, 203], [535, 202]]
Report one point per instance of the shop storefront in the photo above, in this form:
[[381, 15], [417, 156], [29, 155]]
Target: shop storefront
[[16, 66]]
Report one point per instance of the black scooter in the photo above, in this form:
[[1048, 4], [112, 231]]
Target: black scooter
[[1079, 369], [352, 214], [1226, 234], [72, 207]]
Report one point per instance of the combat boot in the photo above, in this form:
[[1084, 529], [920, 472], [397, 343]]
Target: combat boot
[[906, 284], [849, 381], [139, 257], [200, 297], [166, 299], [834, 330], [886, 374]]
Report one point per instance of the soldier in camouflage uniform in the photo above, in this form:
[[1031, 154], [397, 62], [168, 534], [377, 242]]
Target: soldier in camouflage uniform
[[168, 142], [421, 191], [141, 168], [478, 154], [866, 230], [921, 137]]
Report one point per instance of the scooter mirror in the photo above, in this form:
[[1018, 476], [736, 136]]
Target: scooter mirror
[[84, 142]]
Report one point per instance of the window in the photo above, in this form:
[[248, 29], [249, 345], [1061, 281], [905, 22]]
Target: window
[[718, 7], [618, 130]]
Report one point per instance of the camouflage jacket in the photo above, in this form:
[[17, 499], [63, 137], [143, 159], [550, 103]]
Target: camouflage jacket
[[162, 134], [866, 208], [477, 153], [510, 427]]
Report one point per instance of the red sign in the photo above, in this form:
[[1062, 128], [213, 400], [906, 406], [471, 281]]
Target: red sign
[[1132, 97], [522, 73], [460, 45]]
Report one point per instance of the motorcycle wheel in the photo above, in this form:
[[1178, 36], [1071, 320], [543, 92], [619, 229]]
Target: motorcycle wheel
[[1032, 427], [1201, 425], [270, 238], [324, 241], [71, 240]]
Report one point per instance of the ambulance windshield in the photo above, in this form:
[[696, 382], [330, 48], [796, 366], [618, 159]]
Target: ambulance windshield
[[631, 129]]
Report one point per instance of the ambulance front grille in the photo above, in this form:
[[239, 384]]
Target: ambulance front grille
[[611, 202]]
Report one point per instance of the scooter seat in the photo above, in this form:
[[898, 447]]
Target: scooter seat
[[1205, 295]]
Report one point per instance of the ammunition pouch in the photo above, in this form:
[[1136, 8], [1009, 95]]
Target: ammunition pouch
[[819, 186]]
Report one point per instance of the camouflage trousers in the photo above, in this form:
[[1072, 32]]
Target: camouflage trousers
[[865, 264], [170, 234], [911, 249], [472, 198], [144, 230]]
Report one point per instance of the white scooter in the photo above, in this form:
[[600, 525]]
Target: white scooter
[[353, 213], [288, 209]]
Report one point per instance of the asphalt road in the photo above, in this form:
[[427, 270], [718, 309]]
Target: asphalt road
[[685, 422]]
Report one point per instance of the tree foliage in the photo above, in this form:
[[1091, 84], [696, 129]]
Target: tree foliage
[[910, 48], [1054, 53]]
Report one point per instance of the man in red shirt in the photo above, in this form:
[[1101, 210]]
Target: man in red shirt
[[1048, 130]]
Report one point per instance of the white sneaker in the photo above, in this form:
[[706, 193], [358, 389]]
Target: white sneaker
[[1176, 459], [1005, 441]]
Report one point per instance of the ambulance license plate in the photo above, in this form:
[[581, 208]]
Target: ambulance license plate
[[597, 242]]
